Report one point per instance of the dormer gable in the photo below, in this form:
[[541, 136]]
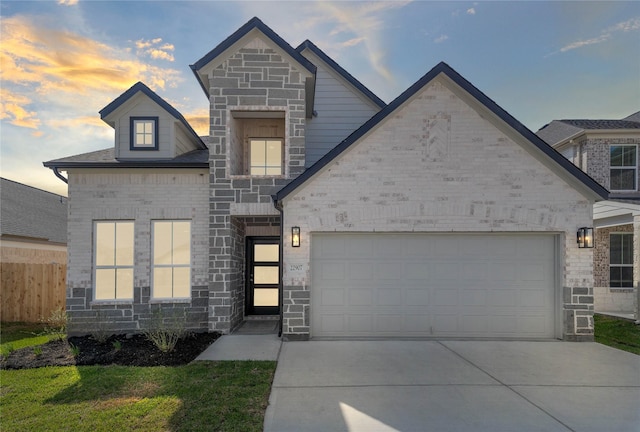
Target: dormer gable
[[255, 34], [147, 127]]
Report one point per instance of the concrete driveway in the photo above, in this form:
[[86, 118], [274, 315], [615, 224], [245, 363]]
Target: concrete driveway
[[454, 386]]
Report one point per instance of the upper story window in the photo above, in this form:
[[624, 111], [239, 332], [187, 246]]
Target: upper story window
[[621, 260], [171, 259], [113, 272], [623, 167], [265, 156], [257, 143], [144, 133]]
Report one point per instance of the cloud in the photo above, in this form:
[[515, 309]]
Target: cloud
[[199, 121], [60, 67], [471, 11], [13, 109], [607, 34], [68, 2], [363, 23], [153, 49], [441, 38]]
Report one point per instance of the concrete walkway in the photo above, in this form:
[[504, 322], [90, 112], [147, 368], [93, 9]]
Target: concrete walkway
[[454, 386]]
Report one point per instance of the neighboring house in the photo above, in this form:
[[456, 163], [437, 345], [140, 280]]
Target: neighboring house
[[438, 214], [607, 150], [33, 225]]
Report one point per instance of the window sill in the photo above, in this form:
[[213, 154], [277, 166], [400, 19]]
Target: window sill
[[170, 300], [111, 302], [621, 290], [249, 176]]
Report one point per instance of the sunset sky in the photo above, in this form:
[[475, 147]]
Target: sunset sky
[[63, 61]]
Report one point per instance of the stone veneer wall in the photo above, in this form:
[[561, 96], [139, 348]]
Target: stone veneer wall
[[436, 165], [141, 196], [256, 78]]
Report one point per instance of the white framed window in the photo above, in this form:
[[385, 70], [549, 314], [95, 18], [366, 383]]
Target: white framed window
[[113, 260], [265, 155], [144, 133], [171, 260], [623, 167], [621, 260]]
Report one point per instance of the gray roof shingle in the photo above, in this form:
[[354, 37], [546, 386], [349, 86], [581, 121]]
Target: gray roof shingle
[[106, 159], [29, 212], [560, 130]]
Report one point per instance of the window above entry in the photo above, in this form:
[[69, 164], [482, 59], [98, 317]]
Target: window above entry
[[144, 133], [266, 156]]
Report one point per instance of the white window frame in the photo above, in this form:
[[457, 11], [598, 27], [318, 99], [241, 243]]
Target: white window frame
[[265, 166], [616, 265], [171, 266], [624, 167], [115, 266], [153, 133]]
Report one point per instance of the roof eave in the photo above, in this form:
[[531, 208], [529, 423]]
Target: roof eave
[[127, 164]]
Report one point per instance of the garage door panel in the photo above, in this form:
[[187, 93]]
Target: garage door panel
[[454, 285]]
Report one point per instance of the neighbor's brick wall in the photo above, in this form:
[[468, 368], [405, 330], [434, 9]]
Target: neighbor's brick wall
[[606, 298], [438, 166], [141, 196], [598, 157], [256, 78]]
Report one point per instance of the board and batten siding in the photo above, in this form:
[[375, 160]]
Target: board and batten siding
[[340, 108]]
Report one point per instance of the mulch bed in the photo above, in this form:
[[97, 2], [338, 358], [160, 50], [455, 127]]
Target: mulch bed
[[124, 350]]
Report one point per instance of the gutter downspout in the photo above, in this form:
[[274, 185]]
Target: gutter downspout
[[60, 176], [278, 207]]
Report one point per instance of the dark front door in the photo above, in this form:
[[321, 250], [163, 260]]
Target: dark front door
[[263, 275]]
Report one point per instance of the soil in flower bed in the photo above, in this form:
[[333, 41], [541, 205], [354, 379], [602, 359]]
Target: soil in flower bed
[[124, 350]]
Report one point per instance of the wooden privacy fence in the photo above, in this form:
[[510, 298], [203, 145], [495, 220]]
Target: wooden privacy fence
[[30, 292]]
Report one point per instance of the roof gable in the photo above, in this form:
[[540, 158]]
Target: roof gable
[[253, 27], [563, 166], [139, 87], [308, 45]]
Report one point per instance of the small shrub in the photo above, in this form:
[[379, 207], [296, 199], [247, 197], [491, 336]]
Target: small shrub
[[117, 345], [75, 350], [100, 330], [37, 351], [56, 324], [164, 331]]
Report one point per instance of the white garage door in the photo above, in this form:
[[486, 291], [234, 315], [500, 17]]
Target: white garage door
[[421, 285]]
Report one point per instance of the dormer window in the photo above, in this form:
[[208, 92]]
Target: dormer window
[[144, 133]]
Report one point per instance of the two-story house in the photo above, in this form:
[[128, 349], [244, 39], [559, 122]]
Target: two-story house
[[607, 150], [314, 202]]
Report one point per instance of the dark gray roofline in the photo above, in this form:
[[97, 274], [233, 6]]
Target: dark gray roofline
[[254, 22], [126, 164], [141, 87], [346, 75], [474, 92]]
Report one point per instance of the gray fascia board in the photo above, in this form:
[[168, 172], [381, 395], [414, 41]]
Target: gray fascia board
[[341, 71], [141, 87], [475, 93], [125, 164]]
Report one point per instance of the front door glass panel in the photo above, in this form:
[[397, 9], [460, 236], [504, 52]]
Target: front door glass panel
[[263, 256]]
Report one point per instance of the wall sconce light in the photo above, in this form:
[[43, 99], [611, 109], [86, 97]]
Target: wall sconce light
[[295, 236], [585, 237]]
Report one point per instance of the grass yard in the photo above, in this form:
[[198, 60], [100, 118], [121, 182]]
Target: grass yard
[[202, 396], [617, 333], [14, 336]]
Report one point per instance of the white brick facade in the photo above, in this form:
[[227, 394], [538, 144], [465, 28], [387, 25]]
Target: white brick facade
[[436, 165], [142, 196]]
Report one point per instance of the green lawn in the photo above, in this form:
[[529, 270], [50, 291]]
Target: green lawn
[[14, 336], [203, 396], [617, 333]]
